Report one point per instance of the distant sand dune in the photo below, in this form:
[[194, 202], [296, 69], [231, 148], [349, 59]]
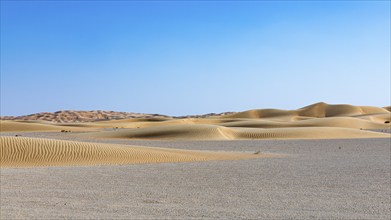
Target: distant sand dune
[[12, 126], [214, 132], [319, 120], [318, 110], [81, 116], [27, 152], [193, 131], [343, 122], [380, 118], [305, 133]]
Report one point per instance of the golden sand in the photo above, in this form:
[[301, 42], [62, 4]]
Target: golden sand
[[28, 152], [317, 121], [214, 132], [21, 126]]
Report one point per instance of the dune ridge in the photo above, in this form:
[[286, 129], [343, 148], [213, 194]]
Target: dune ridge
[[81, 116], [30, 152], [317, 110], [319, 120], [343, 122], [215, 132], [21, 126]]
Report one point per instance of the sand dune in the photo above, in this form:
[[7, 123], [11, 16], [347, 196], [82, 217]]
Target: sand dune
[[317, 110], [197, 132], [343, 122], [214, 132], [305, 133], [325, 110], [12, 126], [148, 122], [319, 120], [381, 118], [27, 152], [81, 116]]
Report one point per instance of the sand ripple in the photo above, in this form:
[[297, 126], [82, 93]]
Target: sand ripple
[[214, 132], [22, 151]]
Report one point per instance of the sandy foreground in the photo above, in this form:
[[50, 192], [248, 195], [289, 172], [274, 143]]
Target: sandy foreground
[[329, 179], [320, 161]]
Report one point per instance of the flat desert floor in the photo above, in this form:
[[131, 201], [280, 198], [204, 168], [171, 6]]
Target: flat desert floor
[[318, 162], [330, 179]]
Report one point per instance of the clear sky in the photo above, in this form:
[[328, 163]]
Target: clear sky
[[180, 58]]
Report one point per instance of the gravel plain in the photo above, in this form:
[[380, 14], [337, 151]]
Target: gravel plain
[[312, 179]]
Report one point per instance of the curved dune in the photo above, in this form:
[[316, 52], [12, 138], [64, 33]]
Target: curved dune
[[25, 152], [231, 126], [317, 110], [262, 113], [343, 122], [305, 133], [192, 131], [17, 126], [382, 118], [214, 132]]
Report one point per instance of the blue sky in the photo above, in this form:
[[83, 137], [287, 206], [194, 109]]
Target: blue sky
[[181, 58]]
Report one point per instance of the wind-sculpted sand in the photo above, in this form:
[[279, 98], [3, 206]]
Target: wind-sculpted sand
[[214, 132], [246, 165], [80, 116], [11, 126], [29, 152], [317, 121], [343, 122]]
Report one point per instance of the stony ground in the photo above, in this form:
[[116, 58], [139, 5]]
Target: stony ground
[[314, 179]]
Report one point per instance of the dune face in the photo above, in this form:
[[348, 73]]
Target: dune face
[[12, 126], [342, 122], [318, 110], [214, 132], [81, 116], [316, 121], [28, 152]]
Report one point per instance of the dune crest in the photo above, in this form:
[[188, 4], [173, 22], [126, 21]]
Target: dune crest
[[81, 116], [319, 120], [215, 132], [12, 126], [28, 152], [317, 110]]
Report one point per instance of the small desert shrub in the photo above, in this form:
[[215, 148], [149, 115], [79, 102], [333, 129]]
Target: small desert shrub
[[386, 122]]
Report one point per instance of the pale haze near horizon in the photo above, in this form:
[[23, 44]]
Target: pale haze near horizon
[[180, 58]]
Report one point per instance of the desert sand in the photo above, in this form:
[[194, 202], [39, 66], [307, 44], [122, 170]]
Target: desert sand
[[28, 152], [317, 121], [224, 126], [320, 161], [316, 179]]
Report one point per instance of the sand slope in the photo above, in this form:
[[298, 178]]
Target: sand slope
[[214, 132], [317, 110], [319, 120], [21, 151], [12, 126], [372, 122], [81, 116]]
